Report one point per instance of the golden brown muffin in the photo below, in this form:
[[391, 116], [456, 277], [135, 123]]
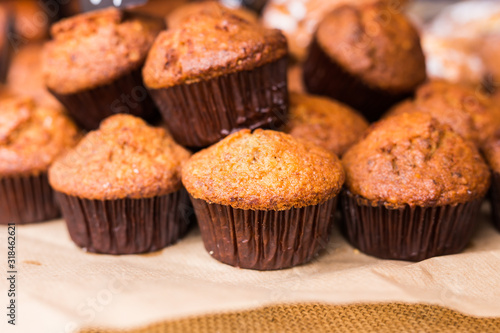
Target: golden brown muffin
[[93, 49], [210, 44], [413, 189], [180, 14], [324, 122], [25, 76], [124, 178], [125, 158], [263, 170], [263, 200], [412, 159], [93, 65], [366, 56], [217, 73], [31, 138]]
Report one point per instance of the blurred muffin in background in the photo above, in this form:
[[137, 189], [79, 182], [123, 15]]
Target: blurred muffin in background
[[298, 19], [181, 13], [25, 76], [468, 111], [324, 122], [366, 56]]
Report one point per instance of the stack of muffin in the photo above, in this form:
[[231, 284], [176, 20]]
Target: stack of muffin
[[265, 181]]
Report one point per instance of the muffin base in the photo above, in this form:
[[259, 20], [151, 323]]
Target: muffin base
[[202, 113], [323, 76], [126, 226], [264, 240], [495, 199], [124, 95], [27, 199], [408, 233]]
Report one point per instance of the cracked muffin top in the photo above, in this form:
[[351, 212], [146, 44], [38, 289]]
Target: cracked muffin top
[[95, 48], [324, 122], [32, 136], [124, 158], [413, 159], [208, 44], [375, 43], [263, 170]]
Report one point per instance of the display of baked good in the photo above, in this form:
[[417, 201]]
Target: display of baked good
[[32, 137], [413, 189], [263, 200]]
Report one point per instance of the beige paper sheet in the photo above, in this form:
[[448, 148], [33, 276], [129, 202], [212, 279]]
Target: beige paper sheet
[[62, 289]]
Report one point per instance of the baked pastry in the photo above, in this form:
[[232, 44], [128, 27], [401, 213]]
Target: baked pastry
[[413, 189], [217, 73], [365, 60], [93, 65], [120, 189], [31, 138], [324, 122], [263, 200]]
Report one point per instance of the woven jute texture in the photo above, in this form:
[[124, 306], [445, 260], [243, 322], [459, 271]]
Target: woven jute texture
[[388, 317]]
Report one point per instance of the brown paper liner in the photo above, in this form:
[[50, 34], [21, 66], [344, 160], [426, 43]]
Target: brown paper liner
[[323, 76], [203, 113], [126, 94], [126, 226], [408, 233], [264, 240], [27, 199], [495, 199]]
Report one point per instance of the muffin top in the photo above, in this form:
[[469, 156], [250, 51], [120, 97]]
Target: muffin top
[[124, 158], [413, 159], [180, 14], [458, 98], [324, 122], [208, 44], [441, 109], [263, 170], [93, 49], [375, 43], [32, 136]]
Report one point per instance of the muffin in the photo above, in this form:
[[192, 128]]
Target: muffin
[[413, 189], [120, 189], [263, 200], [217, 73], [491, 152], [25, 76], [295, 81], [365, 56], [31, 138], [324, 122], [93, 65], [180, 14]]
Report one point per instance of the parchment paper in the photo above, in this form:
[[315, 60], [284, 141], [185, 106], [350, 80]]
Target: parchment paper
[[62, 289]]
